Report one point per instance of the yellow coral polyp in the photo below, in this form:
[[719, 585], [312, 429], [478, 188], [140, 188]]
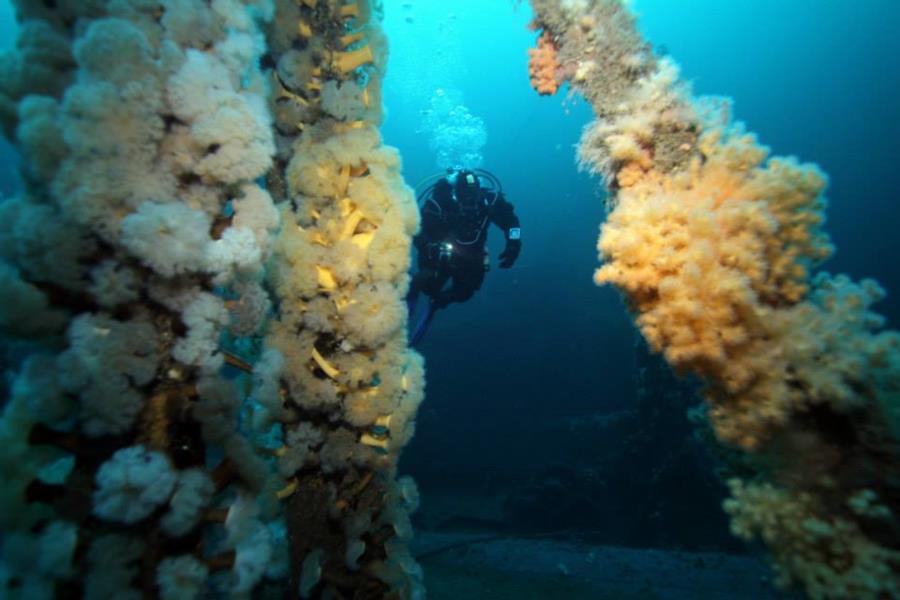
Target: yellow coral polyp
[[375, 442], [325, 278], [351, 38], [346, 62], [363, 240], [345, 127], [288, 490], [326, 366], [346, 205], [304, 29], [341, 302], [350, 10], [284, 93], [343, 181], [350, 225]]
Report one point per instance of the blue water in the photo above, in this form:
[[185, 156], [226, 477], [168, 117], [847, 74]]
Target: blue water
[[8, 175]]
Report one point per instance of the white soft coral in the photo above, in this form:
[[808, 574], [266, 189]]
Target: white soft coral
[[105, 360], [193, 493], [181, 578], [205, 317], [170, 238], [252, 557], [256, 211], [132, 484], [231, 138]]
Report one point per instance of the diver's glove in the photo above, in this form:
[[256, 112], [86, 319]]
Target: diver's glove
[[510, 253]]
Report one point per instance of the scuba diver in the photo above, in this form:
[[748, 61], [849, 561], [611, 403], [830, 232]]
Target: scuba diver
[[457, 211]]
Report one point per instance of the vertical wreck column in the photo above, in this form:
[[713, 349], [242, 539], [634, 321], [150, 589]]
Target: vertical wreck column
[[713, 243], [134, 252], [346, 385], [140, 267]]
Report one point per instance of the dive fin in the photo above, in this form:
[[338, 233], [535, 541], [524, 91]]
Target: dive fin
[[423, 325]]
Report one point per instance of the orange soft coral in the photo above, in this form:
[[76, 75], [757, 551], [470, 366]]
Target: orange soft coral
[[542, 66], [705, 257]]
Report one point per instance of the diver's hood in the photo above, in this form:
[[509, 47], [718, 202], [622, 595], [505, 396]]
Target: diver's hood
[[484, 180]]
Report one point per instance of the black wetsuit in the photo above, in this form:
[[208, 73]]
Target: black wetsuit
[[451, 243]]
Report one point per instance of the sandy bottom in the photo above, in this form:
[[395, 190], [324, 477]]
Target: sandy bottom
[[468, 566]]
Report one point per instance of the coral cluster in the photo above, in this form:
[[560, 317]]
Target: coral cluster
[[710, 259], [828, 554], [543, 65], [201, 304], [143, 128], [347, 386], [713, 243]]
